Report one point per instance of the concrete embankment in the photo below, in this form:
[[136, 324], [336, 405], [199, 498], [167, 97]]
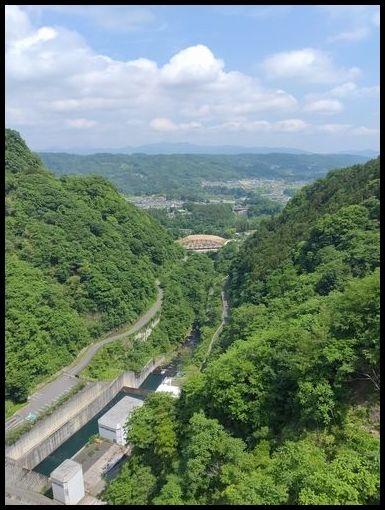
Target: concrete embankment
[[24, 487], [15, 495], [16, 475], [54, 430]]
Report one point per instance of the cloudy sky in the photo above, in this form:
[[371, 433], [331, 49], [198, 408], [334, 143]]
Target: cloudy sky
[[115, 76]]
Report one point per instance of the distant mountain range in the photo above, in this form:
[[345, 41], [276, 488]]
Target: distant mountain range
[[188, 148], [370, 153], [180, 175]]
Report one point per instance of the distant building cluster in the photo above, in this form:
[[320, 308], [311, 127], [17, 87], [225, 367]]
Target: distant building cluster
[[268, 188], [155, 202]]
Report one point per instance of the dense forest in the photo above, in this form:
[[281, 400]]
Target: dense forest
[[186, 306], [80, 260], [332, 221], [287, 409], [180, 175]]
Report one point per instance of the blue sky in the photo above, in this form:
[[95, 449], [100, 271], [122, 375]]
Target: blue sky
[[114, 76]]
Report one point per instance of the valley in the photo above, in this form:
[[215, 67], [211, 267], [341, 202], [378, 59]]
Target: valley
[[181, 176], [272, 339], [192, 255]]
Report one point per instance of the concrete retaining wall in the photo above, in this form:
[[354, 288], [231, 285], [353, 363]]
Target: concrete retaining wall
[[16, 475], [54, 430], [59, 417], [145, 333], [15, 495]]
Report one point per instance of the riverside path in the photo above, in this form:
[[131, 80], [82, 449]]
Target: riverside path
[[67, 377], [225, 313]]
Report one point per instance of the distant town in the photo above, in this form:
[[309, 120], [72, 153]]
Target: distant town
[[275, 189]]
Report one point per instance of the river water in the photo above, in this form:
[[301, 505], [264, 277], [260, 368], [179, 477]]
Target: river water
[[70, 447]]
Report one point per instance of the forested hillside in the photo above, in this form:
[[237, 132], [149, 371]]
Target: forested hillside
[[180, 175], [287, 410], [336, 219], [80, 260], [187, 306]]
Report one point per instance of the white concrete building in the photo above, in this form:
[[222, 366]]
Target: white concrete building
[[168, 387], [112, 422], [67, 482]]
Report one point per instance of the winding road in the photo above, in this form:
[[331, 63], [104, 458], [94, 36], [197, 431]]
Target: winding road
[[67, 378]]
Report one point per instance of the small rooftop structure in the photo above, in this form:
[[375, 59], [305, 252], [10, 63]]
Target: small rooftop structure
[[67, 482], [112, 422], [168, 387]]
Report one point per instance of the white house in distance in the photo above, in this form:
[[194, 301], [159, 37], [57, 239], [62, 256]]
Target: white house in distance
[[111, 424], [168, 387], [67, 482]]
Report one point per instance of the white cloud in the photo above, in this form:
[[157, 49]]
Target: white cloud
[[190, 125], [329, 102], [59, 91], [359, 21], [19, 116], [369, 91], [109, 17], [258, 12], [351, 89], [325, 106], [53, 76], [81, 123], [291, 125], [365, 131], [344, 90], [42, 35], [334, 128], [308, 65], [165, 125], [17, 24], [245, 125], [193, 65], [283, 126], [352, 35]]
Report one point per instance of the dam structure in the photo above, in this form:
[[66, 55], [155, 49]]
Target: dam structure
[[52, 431], [35, 454], [71, 432]]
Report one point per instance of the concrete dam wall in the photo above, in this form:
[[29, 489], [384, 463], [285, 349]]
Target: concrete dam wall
[[54, 430]]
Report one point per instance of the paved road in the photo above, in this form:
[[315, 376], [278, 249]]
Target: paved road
[[67, 379]]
